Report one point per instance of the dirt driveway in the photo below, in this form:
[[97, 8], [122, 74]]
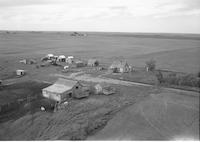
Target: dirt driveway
[[88, 78]]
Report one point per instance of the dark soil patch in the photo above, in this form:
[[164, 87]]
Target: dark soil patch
[[14, 97]]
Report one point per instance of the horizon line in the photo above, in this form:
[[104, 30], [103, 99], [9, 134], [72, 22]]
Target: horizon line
[[96, 31]]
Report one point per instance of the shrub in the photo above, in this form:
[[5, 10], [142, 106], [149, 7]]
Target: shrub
[[151, 65], [159, 77], [185, 80], [189, 80], [172, 78]]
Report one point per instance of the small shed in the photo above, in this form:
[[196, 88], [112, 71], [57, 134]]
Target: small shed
[[61, 58], [98, 89], [80, 64], [80, 91], [103, 89], [120, 66], [93, 62], [50, 56], [20, 72], [24, 61], [32, 61], [69, 60], [70, 57], [66, 67]]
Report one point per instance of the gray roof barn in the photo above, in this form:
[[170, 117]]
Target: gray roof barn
[[60, 90], [63, 89]]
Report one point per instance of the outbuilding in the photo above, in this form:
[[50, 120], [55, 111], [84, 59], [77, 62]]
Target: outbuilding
[[63, 89], [70, 57], [93, 62], [80, 64], [20, 72], [69, 60], [103, 89], [66, 67], [61, 58], [24, 61], [50, 56], [32, 61], [80, 91]]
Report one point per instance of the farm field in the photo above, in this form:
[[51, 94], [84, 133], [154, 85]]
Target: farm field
[[161, 116], [170, 52], [136, 111]]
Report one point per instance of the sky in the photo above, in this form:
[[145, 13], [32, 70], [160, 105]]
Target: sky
[[155, 16]]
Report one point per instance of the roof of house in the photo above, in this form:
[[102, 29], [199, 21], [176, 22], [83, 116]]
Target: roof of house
[[61, 85], [70, 57], [19, 70], [61, 56], [50, 55], [118, 64]]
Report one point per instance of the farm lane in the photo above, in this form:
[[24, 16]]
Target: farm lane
[[88, 78]]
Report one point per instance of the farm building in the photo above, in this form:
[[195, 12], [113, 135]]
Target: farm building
[[61, 58], [32, 61], [80, 64], [20, 72], [66, 67], [93, 62], [50, 56], [80, 91], [120, 66], [104, 89], [69, 60], [24, 61], [28, 61], [70, 57], [63, 89]]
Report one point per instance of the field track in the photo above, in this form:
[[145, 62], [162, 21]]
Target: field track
[[88, 78]]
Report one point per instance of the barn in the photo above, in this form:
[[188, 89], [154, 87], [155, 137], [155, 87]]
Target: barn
[[63, 89]]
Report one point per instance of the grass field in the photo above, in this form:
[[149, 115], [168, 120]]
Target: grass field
[[176, 52]]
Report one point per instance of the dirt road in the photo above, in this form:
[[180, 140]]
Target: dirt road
[[86, 77]]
